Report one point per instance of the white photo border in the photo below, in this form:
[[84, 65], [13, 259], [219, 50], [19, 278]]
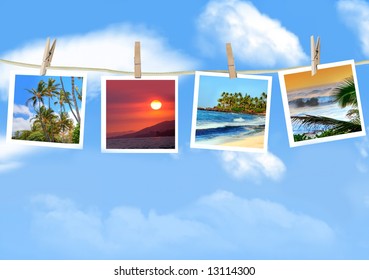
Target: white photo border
[[287, 114], [194, 144], [62, 73], [104, 79]]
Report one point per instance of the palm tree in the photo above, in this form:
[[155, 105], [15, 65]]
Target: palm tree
[[51, 89], [336, 126], [63, 98], [75, 101], [67, 100], [345, 95], [38, 94], [65, 124], [42, 117]]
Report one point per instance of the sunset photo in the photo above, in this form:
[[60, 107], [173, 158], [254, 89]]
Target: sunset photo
[[323, 107], [139, 115]]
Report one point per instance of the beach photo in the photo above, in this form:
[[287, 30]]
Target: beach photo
[[324, 107], [139, 115], [231, 114], [47, 110]]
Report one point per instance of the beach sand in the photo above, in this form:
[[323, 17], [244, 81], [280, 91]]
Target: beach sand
[[255, 141]]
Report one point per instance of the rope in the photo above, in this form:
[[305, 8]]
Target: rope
[[172, 73]]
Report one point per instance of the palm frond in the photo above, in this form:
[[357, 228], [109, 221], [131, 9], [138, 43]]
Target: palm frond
[[315, 122], [345, 93]]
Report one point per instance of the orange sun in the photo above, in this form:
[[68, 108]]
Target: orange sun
[[155, 104]]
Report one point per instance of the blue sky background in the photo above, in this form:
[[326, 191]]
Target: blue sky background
[[309, 202]]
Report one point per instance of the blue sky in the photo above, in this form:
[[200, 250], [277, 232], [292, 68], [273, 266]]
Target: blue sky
[[211, 88], [309, 202]]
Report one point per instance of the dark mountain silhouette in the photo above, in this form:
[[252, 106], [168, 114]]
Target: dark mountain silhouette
[[162, 129], [115, 134]]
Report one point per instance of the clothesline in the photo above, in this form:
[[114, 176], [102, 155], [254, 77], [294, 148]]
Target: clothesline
[[171, 73]]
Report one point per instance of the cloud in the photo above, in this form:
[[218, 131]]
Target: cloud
[[221, 224], [255, 37], [253, 165], [10, 154], [111, 48], [22, 110], [363, 148], [355, 14], [21, 124], [23, 119]]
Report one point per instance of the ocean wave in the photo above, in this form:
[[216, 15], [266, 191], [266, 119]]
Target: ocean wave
[[232, 129], [238, 123]]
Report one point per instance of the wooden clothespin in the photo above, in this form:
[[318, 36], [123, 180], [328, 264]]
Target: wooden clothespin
[[231, 67], [315, 55], [137, 60], [48, 55]]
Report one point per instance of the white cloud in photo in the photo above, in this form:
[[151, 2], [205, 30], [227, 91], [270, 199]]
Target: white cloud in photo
[[355, 14], [11, 154], [23, 118], [22, 110], [110, 48], [221, 223], [253, 165], [20, 124], [256, 38]]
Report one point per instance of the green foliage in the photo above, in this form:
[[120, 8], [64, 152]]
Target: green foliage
[[337, 126], [345, 93], [238, 103], [36, 136], [299, 137], [76, 134], [326, 133]]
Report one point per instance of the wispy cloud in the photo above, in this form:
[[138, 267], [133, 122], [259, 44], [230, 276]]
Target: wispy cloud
[[219, 224], [256, 38], [111, 48], [22, 110], [363, 148], [10, 155], [355, 13], [253, 165]]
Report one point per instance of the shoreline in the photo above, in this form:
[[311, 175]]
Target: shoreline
[[226, 111], [253, 141]]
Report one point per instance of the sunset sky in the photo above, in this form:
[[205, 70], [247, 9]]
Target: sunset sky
[[325, 76], [128, 104]]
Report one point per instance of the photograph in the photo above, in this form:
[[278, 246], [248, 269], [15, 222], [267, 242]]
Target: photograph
[[231, 114], [47, 110], [139, 115], [324, 107]]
